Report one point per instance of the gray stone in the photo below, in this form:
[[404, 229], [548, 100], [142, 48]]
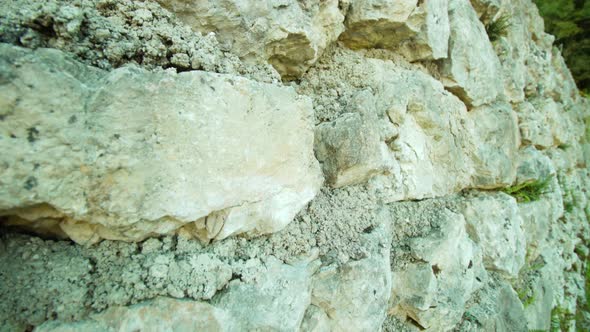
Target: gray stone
[[129, 154], [497, 137], [274, 298], [496, 308], [355, 295], [289, 34], [472, 70], [419, 31], [352, 148], [448, 269], [493, 222], [159, 314]]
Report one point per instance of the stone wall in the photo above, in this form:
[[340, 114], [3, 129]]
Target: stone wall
[[289, 165]]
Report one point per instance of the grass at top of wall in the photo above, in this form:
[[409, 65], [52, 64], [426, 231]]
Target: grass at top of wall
[[498, 27], [528, 191]]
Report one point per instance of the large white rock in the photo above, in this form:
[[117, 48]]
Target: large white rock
[[354, 296], [538, 215], [494, 222], [448, 269], [496, 307], [418, 30], [130, 154], [538, 311], [472, 71], [498, 139], [353, 147], [289, 34], [275, 298], [161, 314], [532, 124], [410, 138]]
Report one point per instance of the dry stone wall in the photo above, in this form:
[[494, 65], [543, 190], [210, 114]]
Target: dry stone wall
[[289, 165]]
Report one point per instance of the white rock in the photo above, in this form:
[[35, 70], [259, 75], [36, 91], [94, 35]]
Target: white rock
[[496, 308], [352, 148], [289, 34], [538, 311], [472, 70], [419, 32], [129, 154], [434, 290], [161, 314], [538, 215], [494, 222], [355, 295], [275, 299], [315, 320], [435, 145], [531, 123], [498, 139]]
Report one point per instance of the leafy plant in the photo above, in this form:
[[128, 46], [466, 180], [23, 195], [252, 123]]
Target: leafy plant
[[498, 27], [528, 191]]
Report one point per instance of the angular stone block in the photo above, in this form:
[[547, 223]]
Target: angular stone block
[[130, 153]]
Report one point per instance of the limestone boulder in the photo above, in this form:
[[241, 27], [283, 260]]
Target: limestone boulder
[[538, 215], [354, 296], [353, 148], [159, 314], [418, 30], [273, 298], [315, 320], [400, 130], [289, 34], [448, 268], [532, 126], [472, 71], [538, 310], [498, 139], [496, 307], [130, 153], [435, 145], [493, 221]]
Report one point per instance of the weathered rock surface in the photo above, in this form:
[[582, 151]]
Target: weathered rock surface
[[290, 35], [539, 302], [114, 158], [472, 71], [411, 102], [353, 148], [493, 221], [498, 139], [273, 298], [538, 215], [419, 31], [354, 296], [495, 307], [419, 144], [156, 315], [447, 269]]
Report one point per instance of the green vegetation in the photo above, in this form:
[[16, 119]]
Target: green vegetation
[[584, 304], [525, 298], [498, 27], [569, 22], [560, 319], [528, 191]]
